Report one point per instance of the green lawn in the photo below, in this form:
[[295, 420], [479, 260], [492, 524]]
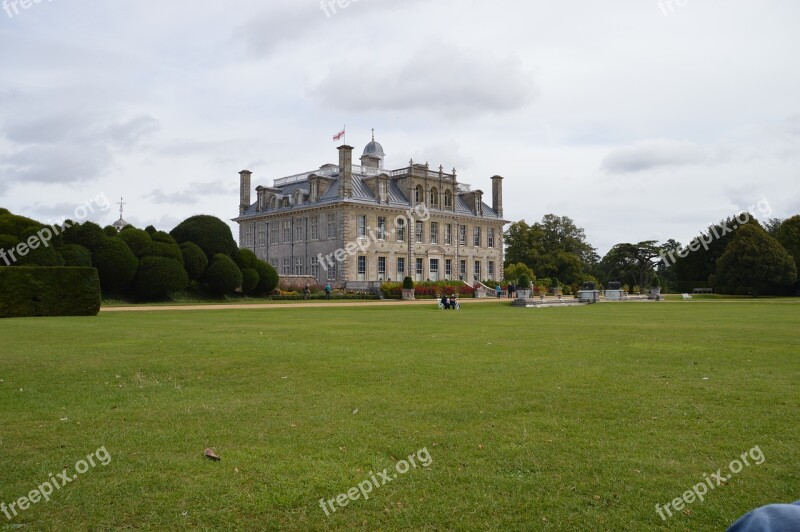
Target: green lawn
[[576, 418]]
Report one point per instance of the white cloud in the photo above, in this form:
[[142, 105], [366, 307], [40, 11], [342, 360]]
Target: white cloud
[[437, 77], [653, 154]]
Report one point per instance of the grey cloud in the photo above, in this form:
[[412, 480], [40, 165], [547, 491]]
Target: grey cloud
[[192, 194], [653, 154], [437, 77], [132, 131], [62, 163]]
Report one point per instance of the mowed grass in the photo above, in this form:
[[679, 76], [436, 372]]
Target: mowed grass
[[578, 418]]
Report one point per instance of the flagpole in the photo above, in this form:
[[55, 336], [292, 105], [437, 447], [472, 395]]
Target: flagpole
[[345, 134]]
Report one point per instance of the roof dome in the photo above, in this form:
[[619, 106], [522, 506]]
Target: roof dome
[[374, 148]]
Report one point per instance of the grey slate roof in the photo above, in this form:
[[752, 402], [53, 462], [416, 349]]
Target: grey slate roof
[[361, 194]]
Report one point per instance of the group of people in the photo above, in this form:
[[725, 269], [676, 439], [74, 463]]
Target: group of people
[[307, 291], [511, 290], [449, 303]]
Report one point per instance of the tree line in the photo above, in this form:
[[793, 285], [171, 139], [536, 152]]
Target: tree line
[[738, 255]]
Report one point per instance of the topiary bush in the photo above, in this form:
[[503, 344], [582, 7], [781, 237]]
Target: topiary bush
[[194, 260], [267, 278], [157, 277], [137, 240], [88, 234], [250, 280], [58, 291], [38, 251], [116, 264], [524, 282], [76, 256], [408, 283], [211, 234], [245, 258], [222, 275]]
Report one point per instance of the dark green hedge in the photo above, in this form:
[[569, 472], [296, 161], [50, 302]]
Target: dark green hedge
[[59, 291]]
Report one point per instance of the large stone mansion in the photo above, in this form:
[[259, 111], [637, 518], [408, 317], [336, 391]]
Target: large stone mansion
[[348, 224]]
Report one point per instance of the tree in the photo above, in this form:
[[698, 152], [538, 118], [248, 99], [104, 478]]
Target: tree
[[157, 277], [211, 234], [772, 225], [788, 234], [519, 243], [755, 263], [194, 260], [515, 271], [553, 247], [116, 264], [222, 275], [700, 256], [267, 278], [632, 264]]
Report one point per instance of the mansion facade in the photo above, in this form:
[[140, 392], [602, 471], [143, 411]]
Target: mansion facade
[[352, 224]]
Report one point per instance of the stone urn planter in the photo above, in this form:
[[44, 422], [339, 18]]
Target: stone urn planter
[[408, 294], [523, 294]]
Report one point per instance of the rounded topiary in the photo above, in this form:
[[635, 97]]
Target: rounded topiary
[[137, 239], [524, 282], [223, 275], [157, 277], [42, 255], [554, 283], [408, 283], [116, 265], [75, 255], [161, 236], [211, 234], [88, 234], [194, 260], [244, 258], [162, 249], [656, 282], [267, 278], [249, 280]]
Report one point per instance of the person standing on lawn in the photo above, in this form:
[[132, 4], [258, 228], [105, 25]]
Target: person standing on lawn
[[327, 291]]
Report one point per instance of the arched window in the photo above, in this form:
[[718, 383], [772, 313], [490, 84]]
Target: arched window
[[273, 203], [434, 197], [448, 199], [419, 195]]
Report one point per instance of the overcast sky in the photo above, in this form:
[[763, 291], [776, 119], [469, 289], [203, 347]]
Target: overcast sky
[[637, 119]]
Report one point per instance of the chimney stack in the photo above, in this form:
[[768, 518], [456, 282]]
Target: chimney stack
[[244, 191], [497, 195], [345, 171]]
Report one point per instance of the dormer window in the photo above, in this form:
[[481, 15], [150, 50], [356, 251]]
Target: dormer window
[[448, 199], [382, 190], [434, 197]]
